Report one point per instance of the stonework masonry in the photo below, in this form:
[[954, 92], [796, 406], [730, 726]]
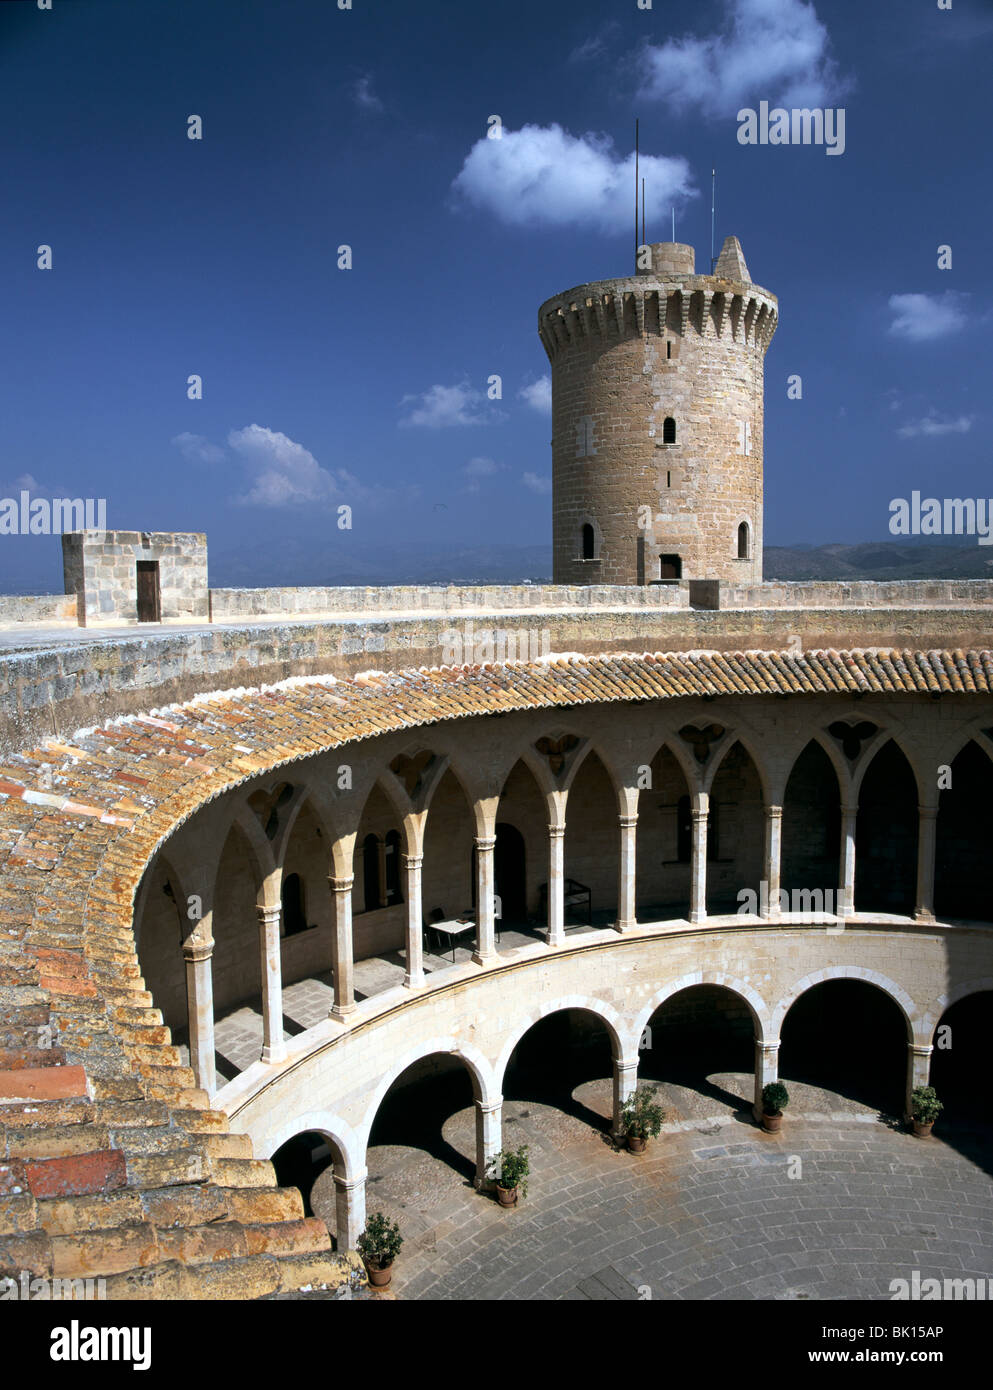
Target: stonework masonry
[[102, 569], [657, 422]]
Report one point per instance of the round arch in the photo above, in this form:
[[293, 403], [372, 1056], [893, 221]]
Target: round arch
[[756, 1004], [609, 1017], [860, 973], [478, 1067]]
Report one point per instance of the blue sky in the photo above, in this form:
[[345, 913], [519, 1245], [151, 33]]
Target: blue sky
[[367, 127]]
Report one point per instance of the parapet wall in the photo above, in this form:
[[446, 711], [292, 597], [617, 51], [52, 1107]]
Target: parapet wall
[[867, 593], [34, 610], [449, 598], [77, 681]]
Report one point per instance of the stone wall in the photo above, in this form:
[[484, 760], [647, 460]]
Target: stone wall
[[100, 568], [472, 600], [37, 609], [867, 593], [80, 683]]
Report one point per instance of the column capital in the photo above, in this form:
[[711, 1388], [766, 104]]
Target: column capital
[[489, 1107], [774, 812], [627, 822], [196, 949], [485, 843], [624, 1066], [268, 913], [341, 885], [412, 861], [921, 1049], [556, 832], [927, 812], [698, 817], [767, 1044], [344, 1184]]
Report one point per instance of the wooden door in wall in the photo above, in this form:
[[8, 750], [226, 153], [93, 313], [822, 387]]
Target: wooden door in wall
[[149, 594]]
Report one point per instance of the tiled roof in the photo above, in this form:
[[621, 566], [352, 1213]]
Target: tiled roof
[[110, 1161]]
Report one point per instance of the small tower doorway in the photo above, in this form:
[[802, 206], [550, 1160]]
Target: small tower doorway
[[149, 594]]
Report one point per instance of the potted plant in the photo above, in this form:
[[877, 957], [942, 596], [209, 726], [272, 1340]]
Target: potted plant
[[775, 1099], [510, 1171], [924, 1107], [379, 1245], [642, 1118]]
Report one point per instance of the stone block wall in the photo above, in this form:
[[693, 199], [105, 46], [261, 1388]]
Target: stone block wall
[[100, 568]]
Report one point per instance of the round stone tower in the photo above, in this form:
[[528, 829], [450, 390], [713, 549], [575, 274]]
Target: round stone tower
[[657, 412]]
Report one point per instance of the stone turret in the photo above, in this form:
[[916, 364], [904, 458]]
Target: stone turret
[[657, 410]]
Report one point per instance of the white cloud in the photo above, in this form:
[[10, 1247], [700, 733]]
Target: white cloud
[[364, 97], [931, 426], [198, 449], [284, 472], [538, 395], [921, 317], [775, 50], [543, 176], [536, 483], [482, 468], [442, 406]]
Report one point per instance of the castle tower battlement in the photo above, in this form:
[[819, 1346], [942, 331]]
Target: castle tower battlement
[[657, 410]]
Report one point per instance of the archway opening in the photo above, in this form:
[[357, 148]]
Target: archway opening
[[592, 847], [588, 542], [886, 835], [735, 832], [744, 542], [699, 1047], [448, 889], [964, 836], [422, 1145], [302, 1162], [665, 835], [812, 829], [844, 1045], [562, 1065], [960, 1061]]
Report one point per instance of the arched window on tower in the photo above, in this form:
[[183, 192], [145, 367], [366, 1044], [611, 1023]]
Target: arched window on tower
[[669, 430], [744, 542], [294, 907], [589, 542]]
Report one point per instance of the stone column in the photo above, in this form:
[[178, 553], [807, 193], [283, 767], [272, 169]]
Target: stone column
[[918, 1070], [846, 889], [197, 953], [625, 1075], [349, 1206], [698, 881], [766, 1070], [414, 974], [489, 1139], [626, 890], [927, 837], [773, 857], [556, 885], [273, 1047], [485, 948], [342, 965]]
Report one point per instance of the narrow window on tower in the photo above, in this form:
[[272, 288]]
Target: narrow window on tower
[[589, 543], [669, 430], [668, 479], [743, 542], [670, 568], [668, 352]]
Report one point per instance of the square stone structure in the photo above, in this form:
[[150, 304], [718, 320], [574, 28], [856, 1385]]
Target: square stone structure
[[136, 576]]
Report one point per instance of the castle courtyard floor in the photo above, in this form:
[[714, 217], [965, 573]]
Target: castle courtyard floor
[[839, 1204]]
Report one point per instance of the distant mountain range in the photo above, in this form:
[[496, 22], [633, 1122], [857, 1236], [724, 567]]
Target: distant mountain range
[[502, 564]]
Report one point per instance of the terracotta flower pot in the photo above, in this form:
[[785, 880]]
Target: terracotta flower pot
[[772, 1124], [923, 1128], [379, 1275], [636, 1143], [507, 1196]]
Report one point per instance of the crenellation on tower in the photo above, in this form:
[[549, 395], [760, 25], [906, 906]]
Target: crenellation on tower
[[657, 418]]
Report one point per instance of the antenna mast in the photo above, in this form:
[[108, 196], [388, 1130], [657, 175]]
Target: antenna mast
[[713, 217], [644, 242], [636, 194]]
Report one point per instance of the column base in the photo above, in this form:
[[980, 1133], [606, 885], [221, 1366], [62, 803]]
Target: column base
[[414, 981], [696, 917], [924, 914], [478, 959], [629, 925], [342, 1015], [276, 1053]]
